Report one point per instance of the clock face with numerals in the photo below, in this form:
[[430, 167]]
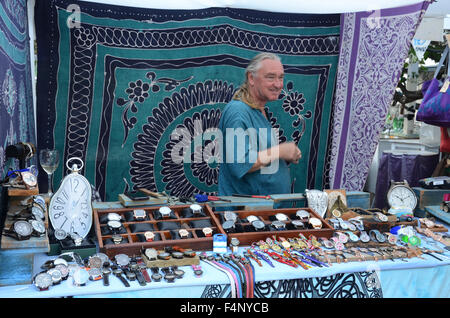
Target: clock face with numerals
[[70, 207], [401, 196]]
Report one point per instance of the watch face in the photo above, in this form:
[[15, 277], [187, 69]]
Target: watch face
[[95, 261], [29, 179], [38, 226], [60, 234], [183, 233], [139, 214], [43, 280], [112, 216], [401, 196], [252, 218], [195, 208], [149, 236], [298, 224], [40, 200], [207, 231], [64, 270], [281, 217], [80, 276], [302, 215], [55, 274], [37, 213], [316, 223], [258, 225], [278, 225], [165, 211], [70, 207], [114, 224], [23, 228], [151, 253], [122, 259], [229, 216]]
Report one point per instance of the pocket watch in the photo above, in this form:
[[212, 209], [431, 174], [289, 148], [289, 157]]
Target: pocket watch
[[400, 195], [70, 207]]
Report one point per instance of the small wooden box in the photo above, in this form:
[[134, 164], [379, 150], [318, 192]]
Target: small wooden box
[[134, 245], [249, 237]]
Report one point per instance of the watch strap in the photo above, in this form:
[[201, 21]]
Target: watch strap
[[105, 280], [123, 280]]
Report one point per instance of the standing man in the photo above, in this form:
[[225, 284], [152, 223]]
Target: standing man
[[253, 160]]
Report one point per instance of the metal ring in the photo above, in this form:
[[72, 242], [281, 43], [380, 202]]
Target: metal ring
[[75, 169]]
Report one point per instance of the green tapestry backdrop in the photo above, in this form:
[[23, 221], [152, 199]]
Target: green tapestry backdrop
[[114, 83]]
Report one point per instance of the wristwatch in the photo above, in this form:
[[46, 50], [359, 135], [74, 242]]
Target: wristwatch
[[230, 216], [364, 237], [156, 276], [114, 226], [95, 261], [139, 214], [258, 225], [183, 233], [165, 212], [80, 277], [229, 226], [42, 281], [20, 230], [63, 269], [116, 238], [315, 222], [298, 224], [234, 244], [38, 227], [149, 236], [303, 215], [118, 273], [207, 231], [376, 236], [281, 217], [77, 239], [196, 209], [29, 179], [112, 216], [252, 218], [106, 271], [56, 275], [279, 225], [122, 259], [37, 212], [151, 254]]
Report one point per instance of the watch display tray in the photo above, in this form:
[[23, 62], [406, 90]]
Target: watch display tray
[[246, 235], [165, 230]]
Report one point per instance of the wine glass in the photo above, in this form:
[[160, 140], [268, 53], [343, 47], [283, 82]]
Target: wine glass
[[49, 160]]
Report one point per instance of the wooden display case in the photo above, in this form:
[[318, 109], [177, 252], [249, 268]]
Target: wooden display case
[[248, 236], [134, 241]]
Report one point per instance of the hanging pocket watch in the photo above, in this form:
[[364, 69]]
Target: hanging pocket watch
[[70, 207]]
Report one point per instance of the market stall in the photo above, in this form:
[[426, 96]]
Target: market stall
[[110, 183]]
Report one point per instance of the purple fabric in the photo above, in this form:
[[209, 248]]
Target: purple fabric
[[374, 46], [399, 167]]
